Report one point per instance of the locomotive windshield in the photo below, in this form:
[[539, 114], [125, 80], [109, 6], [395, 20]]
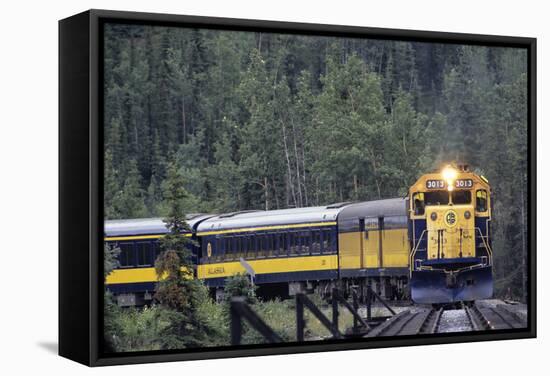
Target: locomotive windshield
[[461, 197], [435, 198]]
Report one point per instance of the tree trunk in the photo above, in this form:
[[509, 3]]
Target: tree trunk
[[183, 120], [288, 164], [297, 158], [304, 175], [266, 187], [525, 290]]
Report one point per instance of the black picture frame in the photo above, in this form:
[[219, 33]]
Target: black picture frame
[[80, 184]]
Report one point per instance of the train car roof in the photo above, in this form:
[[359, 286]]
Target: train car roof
[[379, 208], [145, 226], [269, 218]]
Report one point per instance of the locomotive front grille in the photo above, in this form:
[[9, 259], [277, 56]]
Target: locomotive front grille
[[451, 232]]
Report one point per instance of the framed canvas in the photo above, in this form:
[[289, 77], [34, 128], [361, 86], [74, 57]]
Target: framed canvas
[[236, 187]]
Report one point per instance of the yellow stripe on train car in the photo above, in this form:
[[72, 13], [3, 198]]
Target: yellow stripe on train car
[[134, 275], [268, 266]]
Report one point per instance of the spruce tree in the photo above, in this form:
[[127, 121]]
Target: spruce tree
[[177, 291]]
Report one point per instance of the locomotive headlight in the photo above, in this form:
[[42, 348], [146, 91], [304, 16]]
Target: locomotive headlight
[[467, 214], [449, 175], [433, 216]]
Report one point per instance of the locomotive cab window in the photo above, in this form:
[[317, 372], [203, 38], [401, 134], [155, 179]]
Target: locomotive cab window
[[461, 197], [481, 200], [436, 198], [418, 206]]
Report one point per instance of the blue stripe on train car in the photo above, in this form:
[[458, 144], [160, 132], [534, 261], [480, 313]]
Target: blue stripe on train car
[[127, 288], [282, 277], [374, 272]]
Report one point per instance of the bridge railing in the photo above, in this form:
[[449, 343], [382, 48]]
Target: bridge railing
[[241, 311]]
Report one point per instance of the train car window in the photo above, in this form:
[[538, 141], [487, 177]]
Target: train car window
[[461, 197], [217, 252], [271, 244], [127, 256], [143, 250], [251, 246], [224, 249], [306, 242], [291, 244], [297, 243], [155, 250], [300, 242], [263, 241], [296, 237], [435, 198], [235, 246], [258, 246], [244, 245], [266, 245], [481, 200], [227, 246], [419, 203], [238, 249], [315, 242], [281, 247], [327, 242], [276, 244], [217, 248]]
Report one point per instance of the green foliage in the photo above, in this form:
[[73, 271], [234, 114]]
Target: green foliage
[[240, 285], [129, 199], [177, 292], [173, 266], [139, 329], [279, 315], [110, 259], [110, 309]]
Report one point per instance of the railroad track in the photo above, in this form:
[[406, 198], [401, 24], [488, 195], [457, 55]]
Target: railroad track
[[466, 319], [502, 317], [409, 323]]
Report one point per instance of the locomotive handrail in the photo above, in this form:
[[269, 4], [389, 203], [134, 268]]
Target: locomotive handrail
[[486, 244], [411, 260]]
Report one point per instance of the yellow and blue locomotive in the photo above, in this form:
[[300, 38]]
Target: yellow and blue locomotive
[[449, 229], [433, 245]]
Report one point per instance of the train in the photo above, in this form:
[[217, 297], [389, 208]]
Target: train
[[432, 246]]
